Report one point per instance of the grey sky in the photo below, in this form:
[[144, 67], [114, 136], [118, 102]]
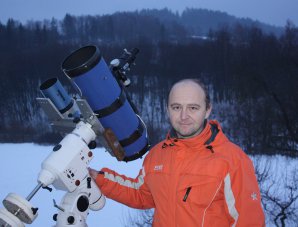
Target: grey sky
[[274, 12]]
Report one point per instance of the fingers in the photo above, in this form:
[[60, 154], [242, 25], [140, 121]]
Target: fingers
[[93, 173]]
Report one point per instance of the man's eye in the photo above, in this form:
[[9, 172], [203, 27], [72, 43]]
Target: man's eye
[[175, 107], [193, 108]]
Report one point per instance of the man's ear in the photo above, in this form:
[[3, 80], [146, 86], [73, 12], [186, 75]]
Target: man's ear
[[208, 112]]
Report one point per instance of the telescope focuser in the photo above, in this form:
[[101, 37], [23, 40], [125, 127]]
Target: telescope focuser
[[119, 66]]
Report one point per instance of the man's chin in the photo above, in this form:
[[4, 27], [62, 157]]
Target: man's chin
[[185, 134]]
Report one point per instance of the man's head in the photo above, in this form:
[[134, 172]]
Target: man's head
[[188, 107]]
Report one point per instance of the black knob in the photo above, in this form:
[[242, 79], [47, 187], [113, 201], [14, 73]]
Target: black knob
[[48, 188], [83, 203], [88, 182], [55, 217], [34, 210], [71, 220], [92, 144], [57, 147]]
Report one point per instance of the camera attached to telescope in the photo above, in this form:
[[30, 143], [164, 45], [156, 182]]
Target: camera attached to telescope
[[101, 114]]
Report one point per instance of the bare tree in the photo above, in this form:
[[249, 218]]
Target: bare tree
[[279, 194], [141, 218]]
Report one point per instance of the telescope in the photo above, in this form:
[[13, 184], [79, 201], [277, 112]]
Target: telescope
[[100, 113]]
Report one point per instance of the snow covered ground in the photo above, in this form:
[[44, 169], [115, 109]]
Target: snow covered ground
[[19, 168], [20, 165]]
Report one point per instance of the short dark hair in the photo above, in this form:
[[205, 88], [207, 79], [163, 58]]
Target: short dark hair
[[201, 84]]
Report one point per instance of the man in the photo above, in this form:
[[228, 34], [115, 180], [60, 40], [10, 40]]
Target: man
[[196, 176]]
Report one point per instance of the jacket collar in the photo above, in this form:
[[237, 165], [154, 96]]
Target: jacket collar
[[205, 138]]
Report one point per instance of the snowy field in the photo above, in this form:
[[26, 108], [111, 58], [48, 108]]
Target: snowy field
[[19, 168], [20, 165]]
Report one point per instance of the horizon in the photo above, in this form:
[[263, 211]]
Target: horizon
[[276, 14]]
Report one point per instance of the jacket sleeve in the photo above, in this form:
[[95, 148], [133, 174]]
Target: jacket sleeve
[[131, 192], [242, 195]]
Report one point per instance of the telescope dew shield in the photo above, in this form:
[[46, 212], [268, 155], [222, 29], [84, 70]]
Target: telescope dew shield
[[53, 89], [89, 71]]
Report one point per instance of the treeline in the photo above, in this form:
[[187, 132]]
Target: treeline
[[252, 74]]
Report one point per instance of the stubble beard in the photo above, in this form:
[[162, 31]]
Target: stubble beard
[[184, 135]]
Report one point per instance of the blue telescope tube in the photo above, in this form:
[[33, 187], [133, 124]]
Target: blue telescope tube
[[89, 71], [53, 90]]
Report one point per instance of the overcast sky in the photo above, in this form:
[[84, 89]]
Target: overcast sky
[[275, 12]]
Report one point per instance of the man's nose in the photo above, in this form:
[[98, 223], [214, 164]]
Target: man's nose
[[184, 114]]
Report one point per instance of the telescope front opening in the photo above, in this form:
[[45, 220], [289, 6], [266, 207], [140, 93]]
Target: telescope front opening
[[48, 83], [81, 61]]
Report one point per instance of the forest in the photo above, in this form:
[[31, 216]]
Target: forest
[[251, 70]]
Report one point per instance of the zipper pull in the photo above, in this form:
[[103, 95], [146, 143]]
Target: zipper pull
[[186, 194], [210, 148]]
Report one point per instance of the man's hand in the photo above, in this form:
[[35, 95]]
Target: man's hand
[[93, 173]]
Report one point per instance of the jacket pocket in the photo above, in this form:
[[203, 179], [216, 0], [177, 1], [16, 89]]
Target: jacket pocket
[[198, 191]]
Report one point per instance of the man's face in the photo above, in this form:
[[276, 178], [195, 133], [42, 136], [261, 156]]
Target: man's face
[[187, 109]]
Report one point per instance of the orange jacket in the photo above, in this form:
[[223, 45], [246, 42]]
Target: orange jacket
[[201, 181]]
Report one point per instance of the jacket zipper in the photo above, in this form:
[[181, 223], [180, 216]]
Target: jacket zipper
[[186, 194]]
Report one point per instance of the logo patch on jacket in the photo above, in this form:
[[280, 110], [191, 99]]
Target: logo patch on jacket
[[254, 196], [158, 167]]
